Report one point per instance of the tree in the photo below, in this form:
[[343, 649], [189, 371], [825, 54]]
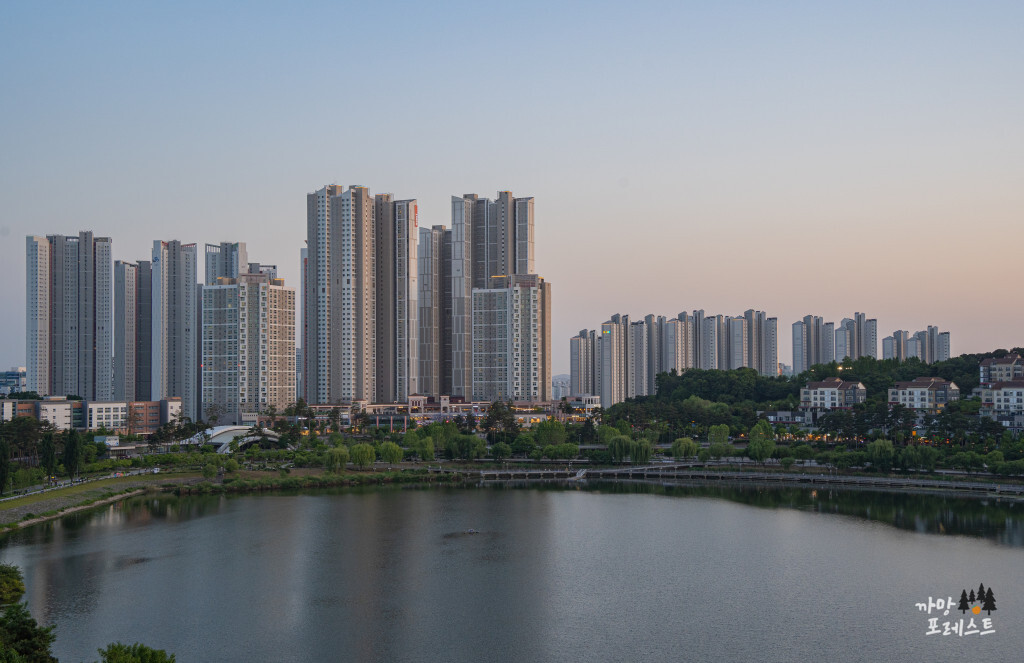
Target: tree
[[12, 585], [362, 455], [209, 471], [22, 639], [990, 602], [880, 453], [5, 464], [718, 434], [761, 445], [981, 592], [116, 652], [391, 453], [550, 432], [972, 598], [963, 606], [684, 447], [336, 459], [72, 453], [500, 451], [641, 451], [619, 447]]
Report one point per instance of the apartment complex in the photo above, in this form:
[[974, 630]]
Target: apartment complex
[[926, 395], [248, 348], [511, 339], [818, 342], [929, 346], [623, 359], [360, 297], [70, 315], [1001, 369]]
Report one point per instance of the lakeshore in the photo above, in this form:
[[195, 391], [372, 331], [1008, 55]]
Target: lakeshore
[[37, 508]]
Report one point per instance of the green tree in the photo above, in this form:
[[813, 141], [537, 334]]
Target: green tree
[[391, 453], [22, 639], [335, 459], [619, 447], [12, 585], [48, 455], [500, 451], [362, 455], [880, 453], [117, 652], [761, 445], [641, 451], [5, 464], [231, 465], [550, 432], [684, 447], [72, 453], [718, 434], [209, 471]]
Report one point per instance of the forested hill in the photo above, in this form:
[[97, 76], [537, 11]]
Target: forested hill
[[698, 398]]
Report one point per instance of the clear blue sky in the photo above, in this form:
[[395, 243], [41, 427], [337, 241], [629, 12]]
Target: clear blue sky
[[799, 157]]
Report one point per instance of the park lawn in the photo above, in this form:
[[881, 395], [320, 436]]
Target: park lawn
[[63, 498]]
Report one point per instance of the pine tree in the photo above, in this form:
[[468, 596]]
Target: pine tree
[[971, 597], [990, 601], [963, 606], [981, 592]]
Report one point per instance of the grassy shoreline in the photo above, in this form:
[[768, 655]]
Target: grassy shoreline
[[39, 508]]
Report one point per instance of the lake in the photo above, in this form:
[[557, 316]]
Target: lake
[[605, 572]]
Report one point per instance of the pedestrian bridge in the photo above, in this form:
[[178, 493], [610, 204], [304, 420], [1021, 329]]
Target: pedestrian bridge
[[221, 437]]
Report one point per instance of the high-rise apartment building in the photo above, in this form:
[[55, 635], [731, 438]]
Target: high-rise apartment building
[[248, 347], [929, 346], [360, 297], [227, 259], [126, 295], [70, 315], [434, 310], [511, 339], [175, 325]]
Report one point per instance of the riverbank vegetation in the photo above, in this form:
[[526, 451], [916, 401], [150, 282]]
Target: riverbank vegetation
[[24, 640]]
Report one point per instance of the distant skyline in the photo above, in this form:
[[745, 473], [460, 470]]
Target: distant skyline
[[798, 159]]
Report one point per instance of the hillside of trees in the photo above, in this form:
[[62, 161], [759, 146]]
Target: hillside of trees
[[689, 403]]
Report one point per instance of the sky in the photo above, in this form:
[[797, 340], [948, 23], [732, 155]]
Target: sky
[[797, 158]]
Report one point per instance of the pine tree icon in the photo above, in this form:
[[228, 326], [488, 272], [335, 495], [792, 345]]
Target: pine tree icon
[[971, 598], [990, 602], [981, 592], [963, 606]]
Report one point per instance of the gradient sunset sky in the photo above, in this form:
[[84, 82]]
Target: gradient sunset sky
[[793, 157]]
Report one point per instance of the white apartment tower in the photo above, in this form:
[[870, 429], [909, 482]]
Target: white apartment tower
[[511, 339], [70, 315], [248, 347]]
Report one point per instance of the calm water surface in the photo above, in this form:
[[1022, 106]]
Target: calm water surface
[[608, 573]]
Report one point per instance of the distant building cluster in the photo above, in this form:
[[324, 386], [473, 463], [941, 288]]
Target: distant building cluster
[[929, 346], [391, 310], [623, 358], [818, 342], [122, 332]]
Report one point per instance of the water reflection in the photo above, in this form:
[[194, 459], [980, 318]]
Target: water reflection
[[997, 519]]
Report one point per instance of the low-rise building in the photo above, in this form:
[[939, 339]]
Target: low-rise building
[[64, 414], [926, 395], [1002, 398], [1002, 369], [830, 394]]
